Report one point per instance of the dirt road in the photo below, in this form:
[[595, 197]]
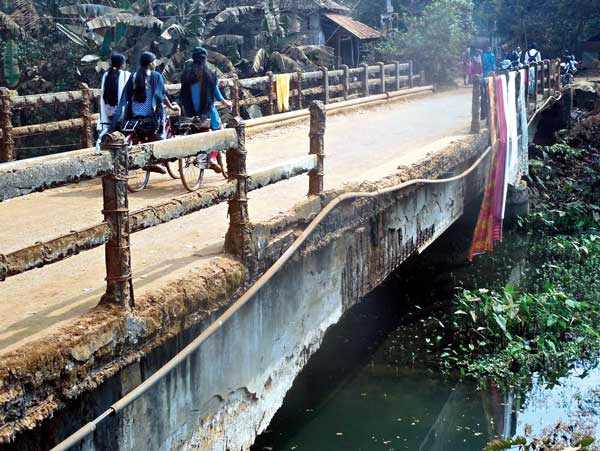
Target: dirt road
[[359, 146]]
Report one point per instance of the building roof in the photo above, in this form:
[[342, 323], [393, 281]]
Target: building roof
[[354, 27], [216, 6]]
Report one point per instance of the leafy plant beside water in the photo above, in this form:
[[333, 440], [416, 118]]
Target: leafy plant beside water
[[505, 334]]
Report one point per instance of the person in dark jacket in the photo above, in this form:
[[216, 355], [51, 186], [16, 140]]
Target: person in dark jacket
[[199, 90]]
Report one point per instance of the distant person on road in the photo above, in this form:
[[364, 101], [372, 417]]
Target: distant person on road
[[111, 87], [466, 61], [489, 62], [477, 63], [533, 55]]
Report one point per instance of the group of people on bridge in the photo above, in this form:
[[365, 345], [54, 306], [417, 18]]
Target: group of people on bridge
[[482, 63], [141, 95]]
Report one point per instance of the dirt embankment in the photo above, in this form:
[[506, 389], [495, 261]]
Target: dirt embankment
[[586, 128]]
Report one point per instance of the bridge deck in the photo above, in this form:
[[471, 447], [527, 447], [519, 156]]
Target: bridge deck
[[360, 145]]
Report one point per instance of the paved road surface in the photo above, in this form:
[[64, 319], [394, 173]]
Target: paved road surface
[[360, 145]]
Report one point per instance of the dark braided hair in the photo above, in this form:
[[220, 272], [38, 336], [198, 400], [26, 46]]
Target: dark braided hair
[[111, 82], [139, 83]]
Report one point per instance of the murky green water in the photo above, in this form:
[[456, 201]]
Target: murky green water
[[370, 387]]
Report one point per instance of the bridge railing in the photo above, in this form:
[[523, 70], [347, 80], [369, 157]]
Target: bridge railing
[[329, 86], [113, 165], [543, 80]]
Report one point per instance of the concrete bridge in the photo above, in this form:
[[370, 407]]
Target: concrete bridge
[[234, 328]]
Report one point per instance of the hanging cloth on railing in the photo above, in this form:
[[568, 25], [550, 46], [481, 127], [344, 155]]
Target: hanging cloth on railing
[[282, 89], [482, 238], [501, 184], [524, 153], [512, 158]]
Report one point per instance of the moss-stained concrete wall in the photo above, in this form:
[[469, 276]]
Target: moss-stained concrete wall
[[228, 390]]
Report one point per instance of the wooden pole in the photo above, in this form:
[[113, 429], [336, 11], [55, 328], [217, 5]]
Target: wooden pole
[[365, 68], [476, 105], [86, 117], [119, 286], [345, 80], [382, 77], [318, 119], [270, 85], [325, 85], [238, 240], [235, 96], [299, 89], [7, 141]]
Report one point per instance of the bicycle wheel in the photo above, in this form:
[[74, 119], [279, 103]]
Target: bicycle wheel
[[137, 180], [191, 174], [172, 169]]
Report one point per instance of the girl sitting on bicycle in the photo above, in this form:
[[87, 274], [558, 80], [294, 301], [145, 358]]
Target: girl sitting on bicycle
[[199, 90], [143, 97], [111, 87]]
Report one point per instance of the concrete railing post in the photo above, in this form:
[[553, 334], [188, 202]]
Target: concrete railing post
[[527, 93], [365, 80], [318, 119], [381, 77], [235, 96], [476, 105], [411, 81], [7, 141], [87, 139], [299, 89], [422, 78], [542, 82], [325, 75], [345, 80], [119, 286], [271, 97], [557, 75], [397, 84], [238, 240]]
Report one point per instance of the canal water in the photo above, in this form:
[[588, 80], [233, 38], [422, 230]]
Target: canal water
[[372, 386]]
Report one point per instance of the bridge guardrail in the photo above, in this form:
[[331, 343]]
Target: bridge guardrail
[[546, 80], [113, 165], [381, 77]]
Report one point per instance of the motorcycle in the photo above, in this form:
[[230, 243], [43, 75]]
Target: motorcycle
[[567, 73]]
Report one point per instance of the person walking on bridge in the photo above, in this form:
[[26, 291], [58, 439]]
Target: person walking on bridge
[[111, 87], [489, 62], [533, 54]]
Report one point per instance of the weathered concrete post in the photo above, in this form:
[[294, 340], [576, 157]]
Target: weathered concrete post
[[365, 80], [299, 89], [345, 80], [7, 148], [270, 85], [325, 75], [396, 76], [381, 77], [318, 119], [476, 105], [411, 81], [119, 286], [527, 94], [542, 82], [86, 116], [235, 96], [536, 88], [557, 75], [238, 240], [422, 78]]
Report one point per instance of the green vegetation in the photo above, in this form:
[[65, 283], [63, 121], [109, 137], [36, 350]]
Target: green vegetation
[[434, 39], [505, 334], [562, 441]]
